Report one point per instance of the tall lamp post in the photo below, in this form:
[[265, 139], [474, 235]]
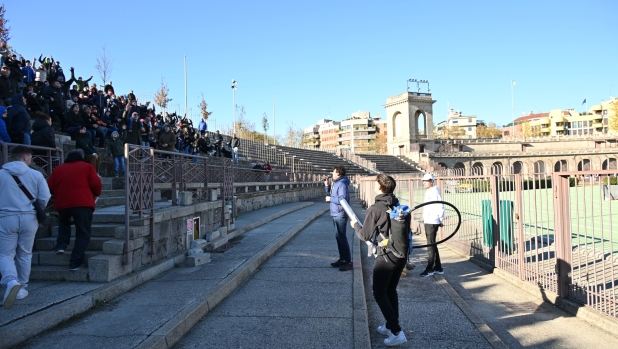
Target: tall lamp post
[[234, 84]]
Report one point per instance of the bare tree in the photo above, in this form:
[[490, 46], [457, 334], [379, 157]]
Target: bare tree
[[265, 127], [204, 108], [4, 28], [162, 96], [293, 136], [104, 65], [613, 117]]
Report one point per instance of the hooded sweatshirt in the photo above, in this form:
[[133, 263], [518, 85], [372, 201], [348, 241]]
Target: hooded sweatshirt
[[4, 134], [377, 218], [14, 201], [43, 135], [19, 120], [339, 191]]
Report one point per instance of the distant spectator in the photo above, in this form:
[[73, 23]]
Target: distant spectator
[[75, 185], [43, 133], [235, 144], [202, 126], [4, 52], [19, 121], [83, 142], [40, 74], [28, 73], [54, 96], [167, 139], [82, 83], [16, 73], [4, 134], [115, 147], [8, 85], [18, 222], [218, 143], [74, 121], [134, 130], [204, 144]]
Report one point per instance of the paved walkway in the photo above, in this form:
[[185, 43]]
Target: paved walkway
[[294, 299], [128, 320]]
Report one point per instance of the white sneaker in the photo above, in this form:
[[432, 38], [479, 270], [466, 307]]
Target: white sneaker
[[23, 293], [11, 292], [393, 340], [383, 330]]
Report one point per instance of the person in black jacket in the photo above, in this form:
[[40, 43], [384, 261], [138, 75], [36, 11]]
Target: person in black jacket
[[218, 138], [18, 120], [235, 144], [8, 85], [388, 266], [54, 96], [43, 133]]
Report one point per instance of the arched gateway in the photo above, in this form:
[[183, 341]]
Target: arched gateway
[[410, 121]]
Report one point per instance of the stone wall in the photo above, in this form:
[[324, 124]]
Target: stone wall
[[170, 230]]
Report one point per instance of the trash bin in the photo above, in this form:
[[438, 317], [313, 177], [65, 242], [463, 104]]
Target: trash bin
[[488, 234], [506, 225]]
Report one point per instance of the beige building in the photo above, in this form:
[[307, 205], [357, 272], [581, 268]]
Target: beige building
[[564, 122], [355, 132], [456, 119]]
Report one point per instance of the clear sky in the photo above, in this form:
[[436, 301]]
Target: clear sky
[[332, 58]]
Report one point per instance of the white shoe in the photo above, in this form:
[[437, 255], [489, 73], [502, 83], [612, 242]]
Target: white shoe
[[23, 293], [393, 340], [383, 330], [11, 292]]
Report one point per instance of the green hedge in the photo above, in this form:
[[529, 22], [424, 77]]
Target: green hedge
[[612, 180], [506, 185]]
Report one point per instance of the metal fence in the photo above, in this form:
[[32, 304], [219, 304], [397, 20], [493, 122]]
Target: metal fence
[[558, 231], [44, 159], [148, 170]]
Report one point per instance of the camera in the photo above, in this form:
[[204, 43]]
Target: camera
[[327, 177]]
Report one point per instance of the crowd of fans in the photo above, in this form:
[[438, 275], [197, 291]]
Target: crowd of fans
[[90, 114]]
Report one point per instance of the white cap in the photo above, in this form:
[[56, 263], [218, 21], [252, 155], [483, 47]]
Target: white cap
[[428, 177]]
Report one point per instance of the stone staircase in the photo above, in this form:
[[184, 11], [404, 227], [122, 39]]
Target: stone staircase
[[390, 164], [46, 265]]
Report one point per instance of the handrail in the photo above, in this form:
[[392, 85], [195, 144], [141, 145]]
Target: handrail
[[44, 162]]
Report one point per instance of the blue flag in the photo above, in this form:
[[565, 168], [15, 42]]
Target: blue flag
[[584, 102]]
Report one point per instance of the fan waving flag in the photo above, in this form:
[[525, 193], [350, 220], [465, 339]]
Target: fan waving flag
[[584, 102], [513, 82]]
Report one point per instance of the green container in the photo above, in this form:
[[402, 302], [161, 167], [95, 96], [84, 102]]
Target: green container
[[488, 233], [506, 225]]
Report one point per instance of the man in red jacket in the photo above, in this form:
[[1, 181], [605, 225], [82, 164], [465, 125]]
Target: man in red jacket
[[74, 185]]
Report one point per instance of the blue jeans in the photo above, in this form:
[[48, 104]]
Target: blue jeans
[[235, 155], [341, 223], [101, 132], [119, 165], [26, 139]]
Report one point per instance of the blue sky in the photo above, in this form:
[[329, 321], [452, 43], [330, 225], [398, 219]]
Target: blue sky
[[332, 58]]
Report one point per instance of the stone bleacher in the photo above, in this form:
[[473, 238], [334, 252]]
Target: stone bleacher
[[305, 160], [391, 164]]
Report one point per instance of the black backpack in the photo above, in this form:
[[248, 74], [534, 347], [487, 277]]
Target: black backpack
[[399, 235]]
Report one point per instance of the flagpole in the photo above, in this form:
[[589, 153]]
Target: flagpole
[[512, 108]]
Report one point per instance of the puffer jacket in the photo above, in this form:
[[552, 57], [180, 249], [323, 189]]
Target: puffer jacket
[[338, 191]]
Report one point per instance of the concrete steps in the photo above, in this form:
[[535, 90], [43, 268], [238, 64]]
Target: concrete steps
[[97, 230], [58, 273], [50, 258], [48, 244]]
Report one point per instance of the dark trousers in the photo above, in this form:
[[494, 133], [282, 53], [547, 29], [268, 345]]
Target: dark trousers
[[386, 273], [341, 223], [433, 261], [82, 218]]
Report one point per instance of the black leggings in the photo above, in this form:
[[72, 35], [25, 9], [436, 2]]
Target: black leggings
[[386, 273]]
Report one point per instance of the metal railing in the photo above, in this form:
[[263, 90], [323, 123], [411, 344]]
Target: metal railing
[[558, 231], [368, 164], [44, 159], [148, 170]]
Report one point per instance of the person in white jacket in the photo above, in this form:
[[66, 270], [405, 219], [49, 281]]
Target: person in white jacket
[[18, 222], [433, 216]]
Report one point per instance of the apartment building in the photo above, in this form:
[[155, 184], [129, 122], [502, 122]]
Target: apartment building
[[466, 125], [354, 132]]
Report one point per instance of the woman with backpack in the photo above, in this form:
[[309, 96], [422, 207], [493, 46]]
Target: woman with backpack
[[392, 223]]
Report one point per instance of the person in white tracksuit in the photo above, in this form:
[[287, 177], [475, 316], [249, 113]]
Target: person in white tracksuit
[[433, 217]]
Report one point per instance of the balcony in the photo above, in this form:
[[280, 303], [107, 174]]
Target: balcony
[[559, 128], [545, 130], [597, 125]]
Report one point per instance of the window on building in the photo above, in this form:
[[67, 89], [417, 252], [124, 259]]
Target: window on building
[[586, 131], [579, 124], [469, 120], [586, 123], [455, 121], [469, 128], [604, 112]]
